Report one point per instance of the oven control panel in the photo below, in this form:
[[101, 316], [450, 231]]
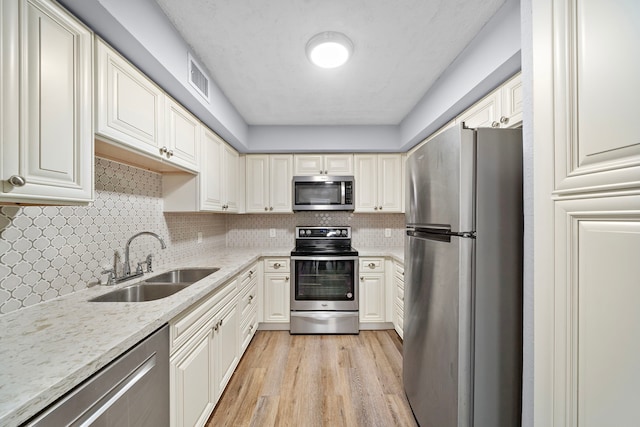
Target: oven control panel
[[323, 232]]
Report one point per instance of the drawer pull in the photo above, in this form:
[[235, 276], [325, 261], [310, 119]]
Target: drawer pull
[[286, 279], [250, 298], [362, 278], [277, 265], [372, 265]]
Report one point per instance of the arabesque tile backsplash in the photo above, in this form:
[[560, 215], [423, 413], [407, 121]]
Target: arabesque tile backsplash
[[47, 252]]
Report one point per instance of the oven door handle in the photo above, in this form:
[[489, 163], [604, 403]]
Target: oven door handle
[[324, 258]]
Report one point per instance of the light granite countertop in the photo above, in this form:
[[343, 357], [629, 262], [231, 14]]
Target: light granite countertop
[[49, 348]]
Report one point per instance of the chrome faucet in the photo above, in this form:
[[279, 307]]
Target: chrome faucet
[[126, 274]]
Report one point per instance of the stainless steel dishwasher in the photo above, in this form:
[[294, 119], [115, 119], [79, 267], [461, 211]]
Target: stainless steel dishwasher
[[133, 390]]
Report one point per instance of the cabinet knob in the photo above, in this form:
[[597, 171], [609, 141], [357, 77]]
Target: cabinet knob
[[277, 265], [362, 278], [17, 181], [320, 171], [266, 208], [380, 207], [170, 153], [220, 322], [286, 279], [375, 208], [271, 208], [326, 172], [216, 327], [495, 124], [250, 298], [250, 272], [504, 120], [372, 265], [164, 150]]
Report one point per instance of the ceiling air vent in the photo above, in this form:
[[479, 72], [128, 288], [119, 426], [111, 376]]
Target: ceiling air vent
[[198, 79]]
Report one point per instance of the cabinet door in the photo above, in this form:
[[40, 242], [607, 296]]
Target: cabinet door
[[308, 164], [192, 383], [276, 297], [183, 136], [211, 172], [338, 164], [389, 177], [596, 334], [130, 107], [484, 113], [46, 95], [366, 183], [596, 89], [227, 346], [257, 197], [511, 102], [280, 189], [231, 191], [372, 298]]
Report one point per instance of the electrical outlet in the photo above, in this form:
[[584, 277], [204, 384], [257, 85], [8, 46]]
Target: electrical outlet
[[272, 232], [387, 232], [199, 236]]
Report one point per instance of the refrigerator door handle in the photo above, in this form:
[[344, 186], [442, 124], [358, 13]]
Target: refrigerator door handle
[[432, 234]]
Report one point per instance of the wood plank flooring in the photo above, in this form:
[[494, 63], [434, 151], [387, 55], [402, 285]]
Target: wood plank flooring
[[317, 380]]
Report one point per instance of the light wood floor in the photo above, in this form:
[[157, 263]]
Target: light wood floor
[[317, 380]]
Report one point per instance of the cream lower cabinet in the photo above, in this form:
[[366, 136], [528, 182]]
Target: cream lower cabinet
[[46, 120], [277, 290], [378, 183], [373, 298], [205, 349], [398, 298], [269, 183]]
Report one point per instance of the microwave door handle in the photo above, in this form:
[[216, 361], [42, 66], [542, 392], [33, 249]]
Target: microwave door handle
[[343, 190]]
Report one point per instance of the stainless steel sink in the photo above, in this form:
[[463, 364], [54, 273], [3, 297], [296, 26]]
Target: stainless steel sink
[[157, 287], [182, 275], [141, 292]]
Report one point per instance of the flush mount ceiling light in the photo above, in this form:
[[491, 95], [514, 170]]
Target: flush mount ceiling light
[[329, 49]]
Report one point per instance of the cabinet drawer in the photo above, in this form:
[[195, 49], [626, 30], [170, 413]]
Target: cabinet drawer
[[249, 329], [248, 301], [400, 295], [276, 265], [399, 271], [249, 277], [399, 314], [188, 323], [368, 265]]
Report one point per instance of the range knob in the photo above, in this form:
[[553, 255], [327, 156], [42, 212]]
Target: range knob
[[344, 232], [301, 233], [308, 232]]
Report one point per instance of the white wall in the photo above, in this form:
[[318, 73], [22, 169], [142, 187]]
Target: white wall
[[289, 139]]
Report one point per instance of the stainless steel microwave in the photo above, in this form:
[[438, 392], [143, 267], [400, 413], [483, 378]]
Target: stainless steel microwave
[[323, 193]]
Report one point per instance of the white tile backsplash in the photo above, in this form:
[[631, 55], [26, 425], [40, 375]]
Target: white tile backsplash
[[50, 251], [46, 252]]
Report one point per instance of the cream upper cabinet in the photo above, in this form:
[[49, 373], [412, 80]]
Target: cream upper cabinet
[[182, 136], [501, 108], [268, 183], [596, 96], [134, 115], [378, 182], [323, 164], [46, 135], [217, 188], [129, 107]]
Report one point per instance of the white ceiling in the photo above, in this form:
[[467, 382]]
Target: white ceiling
[[255, 52]]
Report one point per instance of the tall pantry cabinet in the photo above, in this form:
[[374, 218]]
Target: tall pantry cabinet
[[46, 112], [587, 212]]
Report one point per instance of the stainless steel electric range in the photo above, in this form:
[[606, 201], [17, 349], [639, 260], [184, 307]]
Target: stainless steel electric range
[[324, 289]]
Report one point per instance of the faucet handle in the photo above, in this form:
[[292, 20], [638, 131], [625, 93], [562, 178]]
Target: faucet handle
[[149, 263], [111, 280], [139, 269]]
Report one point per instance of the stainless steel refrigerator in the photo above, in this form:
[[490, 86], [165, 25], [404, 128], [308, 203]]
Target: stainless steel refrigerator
[[463, 275]]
